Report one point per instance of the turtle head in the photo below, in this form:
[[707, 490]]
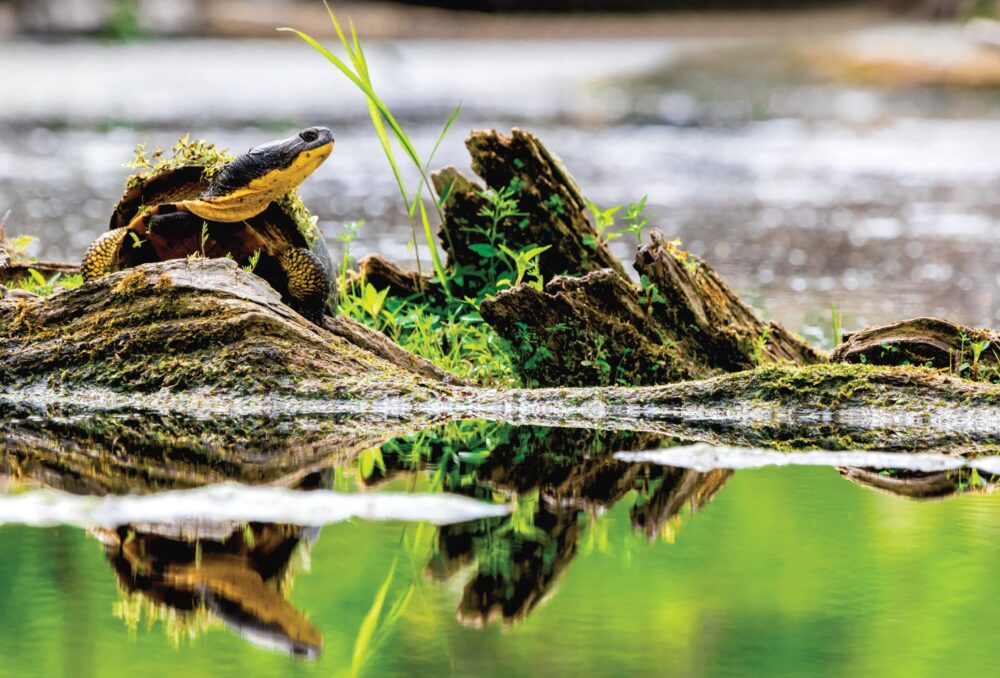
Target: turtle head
[[248, 183]]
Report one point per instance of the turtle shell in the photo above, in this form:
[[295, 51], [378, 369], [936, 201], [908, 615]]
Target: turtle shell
[[268, 233]]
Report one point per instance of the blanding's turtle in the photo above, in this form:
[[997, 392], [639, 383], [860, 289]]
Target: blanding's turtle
[[203, 203]]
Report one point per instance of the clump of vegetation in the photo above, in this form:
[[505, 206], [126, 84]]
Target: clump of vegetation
[[35, 282], [441, 321]]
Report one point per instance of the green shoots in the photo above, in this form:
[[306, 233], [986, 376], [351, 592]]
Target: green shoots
[[384, 123]]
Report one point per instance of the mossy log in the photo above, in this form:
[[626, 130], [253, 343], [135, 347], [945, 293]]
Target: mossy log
[[208, 340], [603, 329], [586, 331], [187, 324], [599, 329], [699, 311]]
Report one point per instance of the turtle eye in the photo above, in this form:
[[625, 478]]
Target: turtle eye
[[309, 135]]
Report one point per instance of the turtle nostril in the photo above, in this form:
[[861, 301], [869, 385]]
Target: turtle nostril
[[309, 135]]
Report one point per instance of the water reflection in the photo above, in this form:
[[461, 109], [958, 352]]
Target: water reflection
[[556, 481], [192, 575]]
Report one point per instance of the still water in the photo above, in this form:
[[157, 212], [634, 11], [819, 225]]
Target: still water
[[599, 566]]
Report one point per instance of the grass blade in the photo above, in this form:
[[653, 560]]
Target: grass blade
[[432, 246]]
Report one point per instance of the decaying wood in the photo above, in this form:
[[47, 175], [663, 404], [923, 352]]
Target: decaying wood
[[920, 341], [383, 274], [598, 329], [187, 324], [204, 335], [14, 271], [603, 329], [586, 331], [14, 266], [552, 206], [700, 311]]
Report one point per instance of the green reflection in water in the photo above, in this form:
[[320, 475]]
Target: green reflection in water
[[602, 569]]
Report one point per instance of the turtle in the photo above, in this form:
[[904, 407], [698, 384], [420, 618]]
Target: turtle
[[203, 202]]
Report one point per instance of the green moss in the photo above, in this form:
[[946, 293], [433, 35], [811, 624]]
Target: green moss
[[185, 152], [132, 282]]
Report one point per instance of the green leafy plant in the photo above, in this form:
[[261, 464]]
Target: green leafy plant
[[36, 283], [635, 219], [252, 261], [385, 123], [838, 322], [603, 220]]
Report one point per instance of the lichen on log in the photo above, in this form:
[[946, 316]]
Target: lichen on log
[[584, 332], [701, 312], [187, 324]]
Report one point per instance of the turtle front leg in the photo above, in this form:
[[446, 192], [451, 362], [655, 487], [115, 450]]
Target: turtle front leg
[[307, 283], [101, 258]]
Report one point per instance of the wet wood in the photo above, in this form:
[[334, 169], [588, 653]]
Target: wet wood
[[188, 324], [586, 331], [700, 311]]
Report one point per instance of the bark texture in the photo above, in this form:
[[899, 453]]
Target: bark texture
[[188, 324], [551, 206], [931, 342], [685, 323]]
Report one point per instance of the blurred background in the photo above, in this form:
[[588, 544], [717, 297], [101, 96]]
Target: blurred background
[[817, 153]]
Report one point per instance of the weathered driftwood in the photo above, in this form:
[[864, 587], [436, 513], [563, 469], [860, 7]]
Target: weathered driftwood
[[603, 329], [701, 312], [551, 205], [383, 274], [599, 329], [922, 341], [586, 331]]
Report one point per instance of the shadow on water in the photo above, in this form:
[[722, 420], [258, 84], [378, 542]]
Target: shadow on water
[[195, 572]]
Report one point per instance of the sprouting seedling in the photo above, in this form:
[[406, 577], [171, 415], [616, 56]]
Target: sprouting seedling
[[500, 205], [837, 320], [372, 301], [347, 236], [603, 220], [977, 350], [635, 219], [252, 261], [525, 262]]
